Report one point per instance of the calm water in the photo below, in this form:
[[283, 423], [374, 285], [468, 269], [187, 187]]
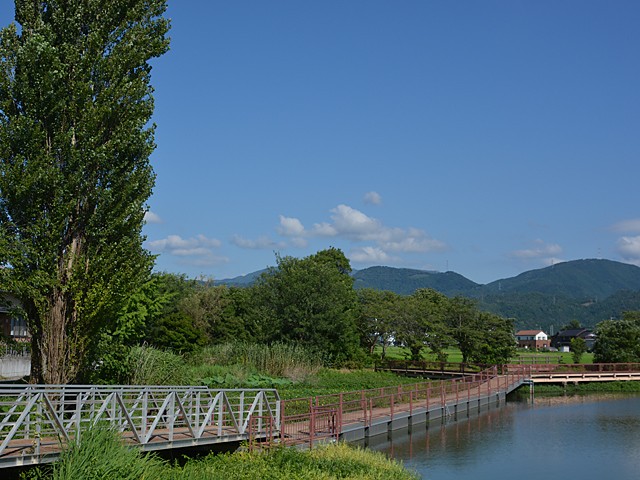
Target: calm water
[[589, 437]]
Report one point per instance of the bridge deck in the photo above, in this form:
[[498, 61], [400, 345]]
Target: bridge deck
[[36, 422]]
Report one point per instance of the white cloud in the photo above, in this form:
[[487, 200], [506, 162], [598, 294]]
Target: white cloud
[[150, 217], [370, 255], [262, 242], [416, 242], [290, 227], [372, 198], [324, 230], [175, 243], [353, 223], [540, 250], [629, 249], [194, 251], [627, 226], [299, 242]]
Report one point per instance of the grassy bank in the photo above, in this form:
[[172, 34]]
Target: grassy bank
[[102, 457], [585, 388], [294, 372]]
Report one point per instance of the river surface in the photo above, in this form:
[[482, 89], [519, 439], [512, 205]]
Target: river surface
[[578, 437]]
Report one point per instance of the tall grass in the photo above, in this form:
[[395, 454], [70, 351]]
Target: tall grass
[[276, 360], [101, 456], [150, 366], [323, 463]]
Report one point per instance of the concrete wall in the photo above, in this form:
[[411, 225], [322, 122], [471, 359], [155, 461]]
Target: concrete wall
[[14, 366], [385, 425]]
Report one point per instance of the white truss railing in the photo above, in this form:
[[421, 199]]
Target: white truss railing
[[37, 421]]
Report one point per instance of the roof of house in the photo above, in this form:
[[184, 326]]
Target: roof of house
[[574, 332], [529, 332]]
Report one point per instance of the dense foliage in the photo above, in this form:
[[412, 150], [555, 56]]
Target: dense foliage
[[587, 290], [75, 141], [307, 303], [618, 341], [310, 302]]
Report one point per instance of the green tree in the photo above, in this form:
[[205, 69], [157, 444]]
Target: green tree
[[419, 323], [618, 341], [498, 343], [309, 301], [463, 320], [572, 325], [110, 349], [212, 310], [578, 349], [177, 332], [75, 140], [376, 318]]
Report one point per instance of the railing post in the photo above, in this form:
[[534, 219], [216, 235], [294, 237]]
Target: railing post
[[312, 423], [392, 396], [428, 395], [283, 423], [339, 428], [370, 411], [411, 403]]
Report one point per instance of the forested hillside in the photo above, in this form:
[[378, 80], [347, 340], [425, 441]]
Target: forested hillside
[[585, 290]]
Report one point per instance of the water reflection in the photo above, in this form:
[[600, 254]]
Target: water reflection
[[591, 437]]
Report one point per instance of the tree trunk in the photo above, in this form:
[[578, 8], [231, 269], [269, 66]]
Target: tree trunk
[[52, 349], [55, 340]]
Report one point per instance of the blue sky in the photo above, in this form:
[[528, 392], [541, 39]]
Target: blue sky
[[487, 138]]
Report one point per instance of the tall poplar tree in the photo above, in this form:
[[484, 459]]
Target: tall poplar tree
[[75, 141]]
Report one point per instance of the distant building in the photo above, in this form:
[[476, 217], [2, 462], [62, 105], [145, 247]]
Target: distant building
[[532, 339], [562, 340]]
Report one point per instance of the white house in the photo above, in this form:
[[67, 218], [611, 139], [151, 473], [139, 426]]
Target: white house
[[533, 339]]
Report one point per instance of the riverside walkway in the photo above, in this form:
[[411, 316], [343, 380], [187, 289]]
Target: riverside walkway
[[360, 415], [38, 421]]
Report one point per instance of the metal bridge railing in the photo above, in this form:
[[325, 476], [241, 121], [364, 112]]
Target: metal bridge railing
[[36, 421]]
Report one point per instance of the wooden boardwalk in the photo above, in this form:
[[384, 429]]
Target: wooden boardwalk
[[358, 415]]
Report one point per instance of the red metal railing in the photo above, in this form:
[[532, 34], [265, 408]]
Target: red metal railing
[[307, 420]]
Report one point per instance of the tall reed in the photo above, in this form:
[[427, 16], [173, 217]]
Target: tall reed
[[276, 360], [150, 366]]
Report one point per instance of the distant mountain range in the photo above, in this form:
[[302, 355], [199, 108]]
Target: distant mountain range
[[548, 298]]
